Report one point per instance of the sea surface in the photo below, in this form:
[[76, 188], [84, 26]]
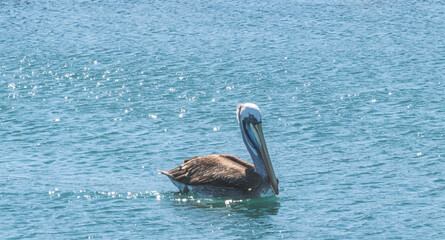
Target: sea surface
[[97, 96]]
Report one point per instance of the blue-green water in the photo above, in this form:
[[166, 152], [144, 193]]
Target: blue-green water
[[96, 96]]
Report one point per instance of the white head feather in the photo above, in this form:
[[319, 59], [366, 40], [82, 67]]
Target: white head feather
[[244, 110]]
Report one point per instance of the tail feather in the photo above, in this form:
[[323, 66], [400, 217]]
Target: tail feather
[[165, 173], [182, 187]]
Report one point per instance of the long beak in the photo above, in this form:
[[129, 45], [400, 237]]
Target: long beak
[[258, 132]]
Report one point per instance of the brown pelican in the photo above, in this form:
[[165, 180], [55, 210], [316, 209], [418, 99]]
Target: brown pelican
[[223, 175]]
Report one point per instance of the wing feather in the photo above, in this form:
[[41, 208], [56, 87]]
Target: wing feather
[[218, 170]]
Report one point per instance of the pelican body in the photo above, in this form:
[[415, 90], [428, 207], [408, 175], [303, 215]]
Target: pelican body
[[223, 175]]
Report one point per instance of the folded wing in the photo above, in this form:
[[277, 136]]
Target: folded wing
[[217, 170]]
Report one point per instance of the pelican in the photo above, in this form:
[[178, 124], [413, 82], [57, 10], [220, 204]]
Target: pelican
[[223, 175]]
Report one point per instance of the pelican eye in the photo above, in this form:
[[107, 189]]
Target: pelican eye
[[253, 120]]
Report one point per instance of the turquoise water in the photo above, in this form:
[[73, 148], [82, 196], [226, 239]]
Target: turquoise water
[[96, 96]]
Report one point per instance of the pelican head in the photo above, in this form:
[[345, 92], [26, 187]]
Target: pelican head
[[249, 118]]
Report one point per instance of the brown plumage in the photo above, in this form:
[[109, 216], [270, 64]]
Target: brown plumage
[[219, 170]]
